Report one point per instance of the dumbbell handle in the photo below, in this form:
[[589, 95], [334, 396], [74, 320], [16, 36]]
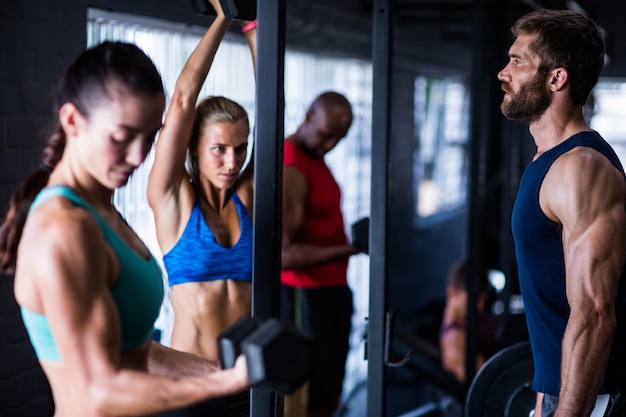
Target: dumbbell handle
[[234, 9]]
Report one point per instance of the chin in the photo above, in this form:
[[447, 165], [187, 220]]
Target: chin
[[117, 183]]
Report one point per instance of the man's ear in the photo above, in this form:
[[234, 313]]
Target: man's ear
[[71, 119], [557, 79]]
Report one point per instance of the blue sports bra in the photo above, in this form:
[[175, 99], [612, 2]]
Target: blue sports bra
[[198, 256], [138, 292]]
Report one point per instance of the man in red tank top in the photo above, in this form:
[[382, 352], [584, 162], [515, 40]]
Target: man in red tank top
[[315, 249]]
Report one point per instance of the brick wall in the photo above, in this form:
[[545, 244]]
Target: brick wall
[[37, 40], [24, 390]]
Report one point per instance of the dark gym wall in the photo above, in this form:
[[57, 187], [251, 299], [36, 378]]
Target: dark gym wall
[[37, 39]]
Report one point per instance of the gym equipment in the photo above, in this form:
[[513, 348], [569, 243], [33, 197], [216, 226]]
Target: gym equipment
[[360, 231], [278, 356], [502, 386], [235, 9], [229, 341]]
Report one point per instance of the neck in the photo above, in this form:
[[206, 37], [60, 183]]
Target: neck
[[215, 198], [555, 127], [92, 191]]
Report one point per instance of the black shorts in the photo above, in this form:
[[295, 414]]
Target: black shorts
[[237, 405], [326, 316]]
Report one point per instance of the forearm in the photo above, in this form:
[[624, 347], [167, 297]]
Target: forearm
[[303, 255], [251, 39], [169, 362], [538, 405], [452, 345], [197, 66], [132, 393], [586, 346]]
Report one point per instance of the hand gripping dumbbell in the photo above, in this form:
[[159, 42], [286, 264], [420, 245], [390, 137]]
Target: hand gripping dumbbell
[[360, 234], [278, 356], [235, 9]]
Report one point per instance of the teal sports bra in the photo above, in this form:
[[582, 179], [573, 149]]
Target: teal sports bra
[[138, 292]]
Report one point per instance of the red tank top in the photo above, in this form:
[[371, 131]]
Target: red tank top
[[323, 221]]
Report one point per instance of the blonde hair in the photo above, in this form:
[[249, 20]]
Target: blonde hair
[[212, 109]]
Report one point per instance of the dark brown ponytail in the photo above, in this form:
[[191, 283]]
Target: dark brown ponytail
[[84, 84]]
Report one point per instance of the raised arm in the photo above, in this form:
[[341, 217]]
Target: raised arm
[[250, 32], [246, 179], [168, 187], [296, 254], [585, 193], [74, 270]]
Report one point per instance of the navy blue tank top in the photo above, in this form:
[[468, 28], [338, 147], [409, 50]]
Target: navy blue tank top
[[198, 256], [539, 252]]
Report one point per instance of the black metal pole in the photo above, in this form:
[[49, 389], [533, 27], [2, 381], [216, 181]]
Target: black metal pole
[[268, 169], [478, 174], [381, 57]]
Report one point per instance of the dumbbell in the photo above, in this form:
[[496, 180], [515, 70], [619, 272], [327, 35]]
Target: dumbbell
[[360, 232], [235, 9], [278, 356]]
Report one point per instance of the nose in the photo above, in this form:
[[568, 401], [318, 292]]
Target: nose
[[137, 152], [230, 160], [503, 75]]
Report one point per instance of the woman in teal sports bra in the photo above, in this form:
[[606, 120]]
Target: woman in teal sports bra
[[88, 288]]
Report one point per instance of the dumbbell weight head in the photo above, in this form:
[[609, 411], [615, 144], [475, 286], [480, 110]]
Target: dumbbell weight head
[[235, 9], [278, 357], [360, 234], [229, 341]]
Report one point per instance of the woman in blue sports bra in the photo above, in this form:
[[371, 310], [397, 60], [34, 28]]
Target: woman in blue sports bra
[[203, 214], [88, 288]]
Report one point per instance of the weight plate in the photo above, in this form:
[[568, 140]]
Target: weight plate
[[501, 387]]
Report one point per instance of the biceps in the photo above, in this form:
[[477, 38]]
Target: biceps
[[293, 216], [85, 324]]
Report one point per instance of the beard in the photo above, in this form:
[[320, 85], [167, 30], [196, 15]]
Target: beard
[[529, 103]]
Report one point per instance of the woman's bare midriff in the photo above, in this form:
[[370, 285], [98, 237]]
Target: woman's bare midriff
[[202, 310]]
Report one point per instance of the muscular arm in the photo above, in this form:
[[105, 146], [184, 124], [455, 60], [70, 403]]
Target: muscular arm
[[246, 179], [296, 254], [69, 282], [168, 184], [586, 195], [163, 360]]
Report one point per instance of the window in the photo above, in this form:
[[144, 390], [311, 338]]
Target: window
[[441, 114], [608, 112], [306, 75]]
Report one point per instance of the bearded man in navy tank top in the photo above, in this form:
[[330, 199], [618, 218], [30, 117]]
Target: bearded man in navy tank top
[[569, 218]]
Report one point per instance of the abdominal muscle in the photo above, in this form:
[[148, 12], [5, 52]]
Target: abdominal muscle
[[202, 310]]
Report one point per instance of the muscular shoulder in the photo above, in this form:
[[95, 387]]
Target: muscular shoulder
[[59, 222], [581, 179], [62, 246]]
